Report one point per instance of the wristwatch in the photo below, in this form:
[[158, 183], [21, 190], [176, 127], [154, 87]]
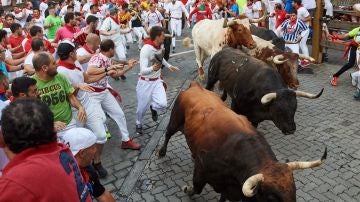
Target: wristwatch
[[106, 71]]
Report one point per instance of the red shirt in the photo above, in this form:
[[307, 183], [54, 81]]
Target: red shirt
[[81, 38], [15, 42], [46, 173], [280, 17], [47, 44], [200, 15]]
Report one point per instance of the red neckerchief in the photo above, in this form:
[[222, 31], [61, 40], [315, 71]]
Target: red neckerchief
[[115, 19], [293, 22], [2, 91], [70, 28], [348, 46], [151, 43], [86, 47], [36, 17], [68, 65]]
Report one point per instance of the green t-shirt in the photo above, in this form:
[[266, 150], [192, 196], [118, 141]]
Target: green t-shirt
[[54, 93], [355, 33], [56, 21]]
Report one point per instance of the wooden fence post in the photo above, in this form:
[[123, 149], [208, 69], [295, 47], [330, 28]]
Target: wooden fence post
[[316, 52]]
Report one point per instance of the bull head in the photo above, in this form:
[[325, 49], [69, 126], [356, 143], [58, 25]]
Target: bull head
[[250, 186]]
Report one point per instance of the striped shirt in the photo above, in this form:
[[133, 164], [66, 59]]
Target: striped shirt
[[292, 32]]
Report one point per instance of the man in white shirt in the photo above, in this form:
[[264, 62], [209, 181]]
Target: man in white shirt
[[37, 46], [153, 18], [150, 89], [102, 96], [72, 70], [85, 52], [310, 5], [175, 11], [43, 6]]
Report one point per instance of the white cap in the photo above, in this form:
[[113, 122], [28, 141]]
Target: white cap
[[78, 138]]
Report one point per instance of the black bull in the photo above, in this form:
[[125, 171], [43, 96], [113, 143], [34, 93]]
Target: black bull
[[256, 89], [268, 35]]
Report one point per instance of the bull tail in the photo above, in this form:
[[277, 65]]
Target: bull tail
[[187, 42]]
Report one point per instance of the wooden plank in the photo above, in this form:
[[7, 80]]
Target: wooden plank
[[343, 25], [316, 52], [333, 45]]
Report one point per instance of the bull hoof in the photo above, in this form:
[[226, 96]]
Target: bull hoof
[[188, 190], [162, 152]]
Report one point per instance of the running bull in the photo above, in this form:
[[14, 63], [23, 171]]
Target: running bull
[[229, 153], [209, 37], [256, 89]]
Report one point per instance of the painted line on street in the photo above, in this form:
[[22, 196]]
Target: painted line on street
[[181, 53]]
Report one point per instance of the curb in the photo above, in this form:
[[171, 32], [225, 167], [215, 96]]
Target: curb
[[136, 171]]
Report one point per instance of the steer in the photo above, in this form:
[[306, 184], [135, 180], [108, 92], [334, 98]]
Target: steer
[[209, 37], [285, 63], [256, 89], [229, 153], [268, 35]]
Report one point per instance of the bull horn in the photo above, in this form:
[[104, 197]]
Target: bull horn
[[308, 95], [249, 187], [225, 25], [279, 59], [296, 165], [268, 97], [258, 20], [302, 56]]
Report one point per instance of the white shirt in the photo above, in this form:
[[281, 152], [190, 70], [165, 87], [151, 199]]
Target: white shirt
[[176, 9], [147, 59], [257, 7], [154, 19], [329, 7], [29, 58], [75, 77], [110, 25], [302, 13], [39, 22], [86, 7], [22, 21], [3, 158], [42, 7], [82, 52], [309, 4], [100, 61], [248, 12]]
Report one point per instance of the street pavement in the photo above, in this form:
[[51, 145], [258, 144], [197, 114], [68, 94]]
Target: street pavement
[[330, 121]]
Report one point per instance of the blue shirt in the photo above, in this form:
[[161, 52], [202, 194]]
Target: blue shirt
[[288, 6], [3, 69], [235, 8]]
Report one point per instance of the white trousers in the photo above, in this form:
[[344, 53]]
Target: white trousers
[[127, 38], [95, 121], [69, 126], [303, 46], [120, 50], [108, 103], [140, 33], [175, 26], [272, 22], [293, 47], [149, 93]]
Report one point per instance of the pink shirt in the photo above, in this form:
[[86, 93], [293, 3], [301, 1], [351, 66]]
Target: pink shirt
[[65, 32]]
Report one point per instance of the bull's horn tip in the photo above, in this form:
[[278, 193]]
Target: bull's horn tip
[[321, 92], [324, 156]]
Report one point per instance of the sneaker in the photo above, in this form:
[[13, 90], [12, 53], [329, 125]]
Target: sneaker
[[173, 51], [154, 114], [334, 81], [353, 81], [123, 77], [357, 95], [100, 170], [139, 129], [304, 63], [130, 145]]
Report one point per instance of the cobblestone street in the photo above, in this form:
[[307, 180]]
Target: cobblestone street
[[331, 121]]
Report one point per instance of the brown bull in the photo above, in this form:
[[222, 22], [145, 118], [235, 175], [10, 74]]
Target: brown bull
[[229, 153]]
